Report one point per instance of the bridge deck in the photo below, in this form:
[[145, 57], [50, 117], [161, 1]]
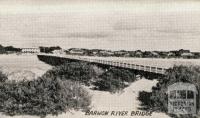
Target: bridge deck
[[145, 64]]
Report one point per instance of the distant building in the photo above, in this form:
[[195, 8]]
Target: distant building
[[171, 54], [154, 54], [95, 51], [58, 51], [121, 53], [106, 53], [181, 51], [187, 55], [76, 51], [196, 55], [138, 53], [178, 53], [163, 54], [174, 52], [30, 50]]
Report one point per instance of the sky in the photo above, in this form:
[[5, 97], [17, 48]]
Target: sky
[[102, 24]]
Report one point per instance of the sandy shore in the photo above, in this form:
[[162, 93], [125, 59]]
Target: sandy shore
[[104, 101]]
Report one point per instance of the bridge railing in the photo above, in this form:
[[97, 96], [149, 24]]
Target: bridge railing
[[117, 63], [123, 64], [128, 65]]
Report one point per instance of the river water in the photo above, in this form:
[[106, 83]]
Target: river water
[[20, 67]]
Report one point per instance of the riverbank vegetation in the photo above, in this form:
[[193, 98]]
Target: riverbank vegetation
[[60, 89], [42, 96], [3, 77], [8, 49], [114, 80], [104, 79], [110, 79], [74, 71]]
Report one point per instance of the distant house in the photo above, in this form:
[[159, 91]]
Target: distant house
[[61, 51], [49, 49], [106, 53], [95, 52], [121, 53], [127, 54], [171, 54], [178, 53], [30, 50], [146, 53], [163, 54], [187, 55], [181, 51], [154, 54], [150, 54], [138, 53], [131, 53], [196, 55], [76, 51]]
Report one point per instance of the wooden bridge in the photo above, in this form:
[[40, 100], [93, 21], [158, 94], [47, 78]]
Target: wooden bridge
[[158, 66]]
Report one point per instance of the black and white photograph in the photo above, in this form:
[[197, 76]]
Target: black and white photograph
[[99, 58]]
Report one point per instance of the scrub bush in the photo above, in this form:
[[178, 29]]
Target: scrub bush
[[75, 71], [114, 80], [42, 96], [3, 77]]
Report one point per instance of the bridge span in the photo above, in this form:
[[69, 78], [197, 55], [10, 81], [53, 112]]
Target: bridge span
[[153, 65]]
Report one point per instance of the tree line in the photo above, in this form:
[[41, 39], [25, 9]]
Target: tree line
[[7, 49], [182, 53]]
